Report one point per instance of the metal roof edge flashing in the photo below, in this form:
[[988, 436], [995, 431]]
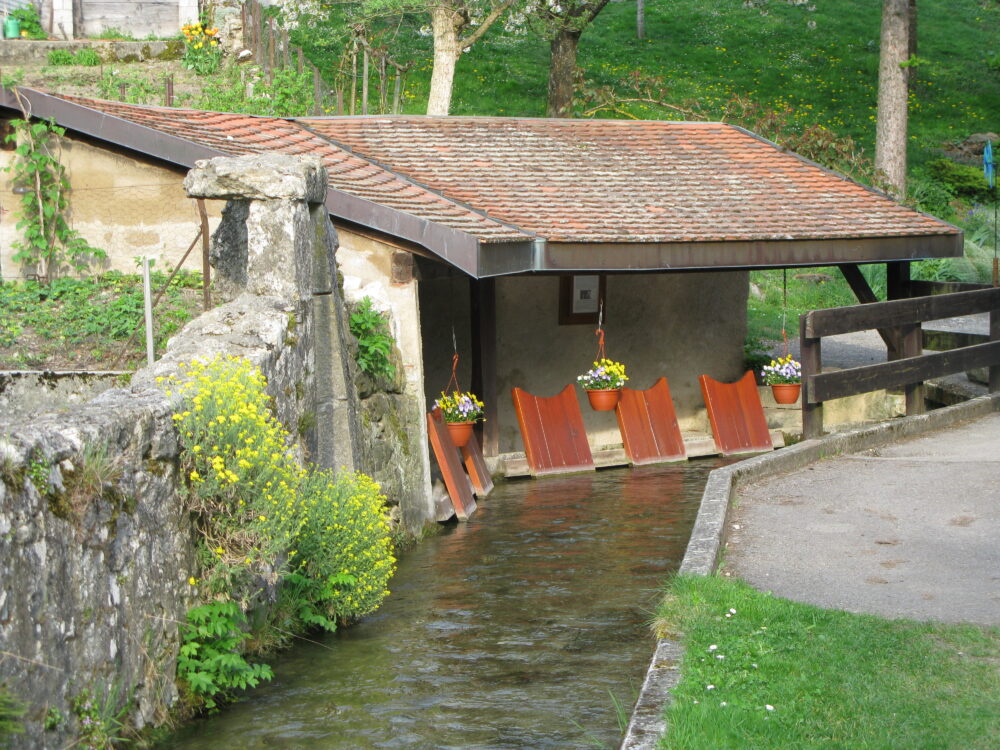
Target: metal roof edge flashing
[[82, 119]]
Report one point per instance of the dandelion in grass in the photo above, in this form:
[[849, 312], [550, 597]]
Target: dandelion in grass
[[768, 706], [709, 687]]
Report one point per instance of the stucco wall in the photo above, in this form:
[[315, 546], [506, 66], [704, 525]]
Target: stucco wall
[[677, 325], [126, 206]]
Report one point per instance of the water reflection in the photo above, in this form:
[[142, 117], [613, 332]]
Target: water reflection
[[510, 631]]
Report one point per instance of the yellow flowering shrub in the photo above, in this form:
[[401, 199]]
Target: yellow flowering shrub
[[260, 512], [344, 547]]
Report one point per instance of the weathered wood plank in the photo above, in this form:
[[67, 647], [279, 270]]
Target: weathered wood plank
[[455, 480], [899, 312], [901, 372], [736, 415]]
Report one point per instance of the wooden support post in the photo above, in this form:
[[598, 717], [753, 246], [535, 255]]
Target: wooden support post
[[994, 377], [340, 102], [897, 286], [812, 364], [121, 91], [859, 285], [206, 268], [912, 340], [482, 297], [169, 94]]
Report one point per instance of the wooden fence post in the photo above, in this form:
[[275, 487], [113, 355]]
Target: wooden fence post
[[206, 268], [812, 364], [994, 377], [911, 337]]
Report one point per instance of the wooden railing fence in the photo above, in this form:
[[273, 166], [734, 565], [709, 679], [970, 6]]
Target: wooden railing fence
[[905, 316]]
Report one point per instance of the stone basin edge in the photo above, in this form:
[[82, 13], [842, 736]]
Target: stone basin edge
[[647, 723]]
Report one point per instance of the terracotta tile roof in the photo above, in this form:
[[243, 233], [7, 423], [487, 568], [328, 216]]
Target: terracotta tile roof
[[574, 181], [624, 181], [243, 134]]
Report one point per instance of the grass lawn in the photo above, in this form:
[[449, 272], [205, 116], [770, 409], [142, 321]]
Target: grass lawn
[[762, 672], [85, 323]]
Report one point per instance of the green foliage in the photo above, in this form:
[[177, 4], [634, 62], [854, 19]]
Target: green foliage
[[48, 243], [101, 720], [756, 353], [930, 195], [69, 313], [260, 513], [976, 265], [53, 719], [60, 57], [767, 673], [11, 712], [375, 342], [87, 56], [963, 180], [30, 22], [138, 90], [38, 473], [210, 659], [245, 89]]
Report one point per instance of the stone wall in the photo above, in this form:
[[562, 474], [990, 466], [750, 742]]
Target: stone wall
[[96, 546], [25, 392]]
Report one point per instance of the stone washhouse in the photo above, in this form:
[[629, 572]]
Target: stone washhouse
[[503, 236]]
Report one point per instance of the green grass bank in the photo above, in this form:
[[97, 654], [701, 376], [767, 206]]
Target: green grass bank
[[767, 673]]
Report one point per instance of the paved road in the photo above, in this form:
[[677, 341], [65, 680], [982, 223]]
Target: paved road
[[908, 530]]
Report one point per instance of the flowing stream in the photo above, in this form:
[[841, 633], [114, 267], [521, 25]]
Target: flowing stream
[[522, 628]]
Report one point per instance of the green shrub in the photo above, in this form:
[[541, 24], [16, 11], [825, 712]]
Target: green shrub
[[261, 514], [30, 22], [60, 57], [289, 94], [210, 659], [930, 195], [964, 180], [87, 56], [371, 328]]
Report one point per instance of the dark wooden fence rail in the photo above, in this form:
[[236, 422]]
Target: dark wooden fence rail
[[905, 316]]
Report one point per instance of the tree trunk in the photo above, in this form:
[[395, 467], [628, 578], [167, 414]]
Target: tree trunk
[[640, 19], [562, 73], [446, 24], [890, 132]]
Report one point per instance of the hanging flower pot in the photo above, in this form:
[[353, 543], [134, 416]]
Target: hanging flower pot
[[603, 384], [786, 393], [461, 411], [784, 375], [604, 399], [460, 432]]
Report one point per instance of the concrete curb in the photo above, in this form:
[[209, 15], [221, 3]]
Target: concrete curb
[[647, 723]]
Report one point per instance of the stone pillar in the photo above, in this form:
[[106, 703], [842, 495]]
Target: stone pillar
[[276, 240]]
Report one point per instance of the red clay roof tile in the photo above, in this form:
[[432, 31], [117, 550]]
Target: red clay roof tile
[[580, 181]]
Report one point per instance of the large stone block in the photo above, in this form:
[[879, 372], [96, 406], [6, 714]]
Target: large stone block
[[258, 177]]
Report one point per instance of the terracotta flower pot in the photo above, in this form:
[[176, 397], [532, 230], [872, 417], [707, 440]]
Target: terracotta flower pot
[[604, 400], [786, 393], [460, 432]]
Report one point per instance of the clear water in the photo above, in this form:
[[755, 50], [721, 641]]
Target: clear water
[[518, 629]]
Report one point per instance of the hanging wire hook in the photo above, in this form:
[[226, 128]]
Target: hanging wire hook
[[784, 307]]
